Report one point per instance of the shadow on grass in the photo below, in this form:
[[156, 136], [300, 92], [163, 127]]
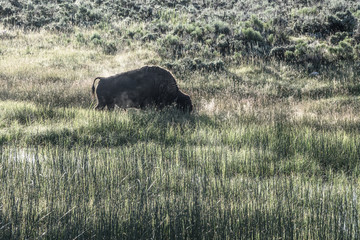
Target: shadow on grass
[[108, 129]]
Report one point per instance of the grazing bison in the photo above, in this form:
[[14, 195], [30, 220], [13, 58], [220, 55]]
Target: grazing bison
[[149, 85]]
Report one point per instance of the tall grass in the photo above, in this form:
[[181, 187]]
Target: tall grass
[[148, 190], [269, 152], [70, 173]]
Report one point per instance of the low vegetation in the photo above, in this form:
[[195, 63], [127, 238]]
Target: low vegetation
[[271, 150]]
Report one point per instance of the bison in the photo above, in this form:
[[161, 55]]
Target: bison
[[146, 86]]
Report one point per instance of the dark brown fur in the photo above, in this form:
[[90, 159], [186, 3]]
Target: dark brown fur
[[149, 85]]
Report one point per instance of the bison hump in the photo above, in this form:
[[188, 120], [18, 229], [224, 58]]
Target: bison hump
[[165, 80]]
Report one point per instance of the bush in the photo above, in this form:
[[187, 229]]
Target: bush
[[255, 23], [357, 51], [109, 48], [280, 52], [179, 30], [289, 56], [346, 50], [222, 28], [337, 37], [250, 35], [196, 64], [80, 38], [96, 39], [150, 37], [343, 50], [198, 33], [171, 42], [223, 44], [314, 25], [342, 22]]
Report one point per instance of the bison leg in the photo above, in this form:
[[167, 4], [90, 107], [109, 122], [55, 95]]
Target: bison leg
[[101, 103], [110, 106], [99, 106], [110, 103]]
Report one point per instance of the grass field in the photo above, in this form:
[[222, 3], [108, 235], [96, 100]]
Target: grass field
[[270, 151]]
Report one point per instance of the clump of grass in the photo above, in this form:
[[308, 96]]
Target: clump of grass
[[29, 114]]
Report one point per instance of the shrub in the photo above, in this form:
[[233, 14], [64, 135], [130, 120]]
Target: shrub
[[342, 22], [179, 30], [171, 42], [161, 27], [357, 51], [197, 33], [271, 39], [223, 44], [96, 39], [222, 28], [313, 54], [189, 28], [346, 51], [255, 23], [150, 37], [314, 25], [289, 56], [80, 38], [357, 34], [343, 50], [337, 37], [109, 48], [280, 52], [86, 15], [249, 34]]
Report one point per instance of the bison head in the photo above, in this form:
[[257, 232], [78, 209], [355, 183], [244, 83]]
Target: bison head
[[183, 102]]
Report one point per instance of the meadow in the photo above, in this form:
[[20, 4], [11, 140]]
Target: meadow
[[271, 151]]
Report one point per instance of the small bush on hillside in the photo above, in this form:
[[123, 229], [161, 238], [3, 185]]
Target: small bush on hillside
[[96, 39], [357, 34], [357, 51], [179, 30], [314, 25], [255, 23], [171, 46], [343, 50], [223, 44], [80, 38], [198, 33], [289, 56], [280, 52], [150, 37], [342, 22], [314, 55], [171, 40], [162, 27], [337, 37], [109, 48], [222, 28], [251, 35]]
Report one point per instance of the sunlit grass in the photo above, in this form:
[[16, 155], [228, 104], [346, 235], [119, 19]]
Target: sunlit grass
[[269, 152]]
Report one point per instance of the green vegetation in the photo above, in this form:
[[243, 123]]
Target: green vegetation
[[271, 150]]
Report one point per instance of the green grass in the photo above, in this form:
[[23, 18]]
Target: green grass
[[148, 190], [269, 151], [70, 172]]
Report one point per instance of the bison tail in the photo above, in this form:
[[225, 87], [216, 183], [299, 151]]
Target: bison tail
[[93, 86]]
